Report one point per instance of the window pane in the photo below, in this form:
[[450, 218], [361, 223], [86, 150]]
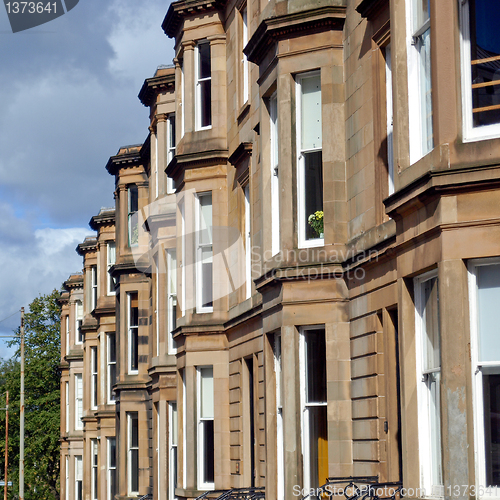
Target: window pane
[[174, 424], [488, 285], [207, 269], [205, 227], [208, 449], [433, 384], [134, 455], [311, 112], [112, 452], [318, 442], [422, 11], [133, 199], [112, 348], [134, 431], [315, 366], [424, 49], [313, 178], [207, 392], [204, 61], [485, 44], [206, 103], [431, 348], [491, 394]]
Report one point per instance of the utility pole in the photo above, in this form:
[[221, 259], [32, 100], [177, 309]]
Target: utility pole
[[6, 445], [21, 423]]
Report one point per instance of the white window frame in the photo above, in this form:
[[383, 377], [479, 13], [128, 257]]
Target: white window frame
[[110, 468], [78, 476], [304, 405], [244, 59], [66, 390], [202, 485], [93, 287], [280, 463], [110, 251], [470, 132], [131, 215], [94, 469], [477, 382], [94, 374], [171, 255], [416, 125], [390, 118], [184, 430], [78, 402], [78, 322], [130, 450], [110, 397], [170, 149], [172, 448], [198, 81], [248, 243], [183, 93], [156, 165], [66, 325], [66, 473], [303, 242], [182, 208], [131, 329], [426, 455], [157, 302], [199, 252], [275, 186]]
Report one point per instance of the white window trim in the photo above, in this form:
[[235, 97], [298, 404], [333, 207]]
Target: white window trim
[[94, 397], [78, 475], [66, 390], [66, 473], [198, 86], [170, 146], [184, 430], [315, 242], [390, 118], [66, 325], [171, 299], [200, 452], [303, 405], [424, 444], [248, 244], [171, 453], [110, 264], [183, 256], [477, 383], [183, 80], [471, 133], [130, 449], [94, 294], [78, 319], [78, 402], [199, 262], [94, 469], [244, 59], [109, 363], [280, 464], [275, 193], [109, 467], [131, 371]]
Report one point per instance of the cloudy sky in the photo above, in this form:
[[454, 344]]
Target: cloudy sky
[[68, 101]]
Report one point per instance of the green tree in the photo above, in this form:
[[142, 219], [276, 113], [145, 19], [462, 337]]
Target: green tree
[[42, 402]]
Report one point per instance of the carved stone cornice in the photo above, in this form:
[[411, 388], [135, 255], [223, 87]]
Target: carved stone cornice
[[278, 28], [198, 159], [367, 8], [127, 156], [159, 83], [182, 8], [88, 245], [105, 217]]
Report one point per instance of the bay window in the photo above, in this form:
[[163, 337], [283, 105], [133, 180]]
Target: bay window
[[133, 452], [310, 159], [428, 352], [484, 293], [314, 406], [419, 78], [205, 411], [203, 75], [480, 21], [204, 253], [133, 332]]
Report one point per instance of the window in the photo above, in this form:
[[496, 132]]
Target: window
[[275, 187], [419, 78], [172, 447], [66, 390], [481, 68], [111, 366], [170, 149], [66, 326], [78, 322], [68, 495], [156, 165], [244, 60], [204, 253], [111, 255], [428, 353], [93, 378], [248, 244], [78, 477], [314, 406], [184, 429], [157, 302], [171, 298], [94, 472], [111, 468], [205, 427], [133, 453], [93, 287], [309, 153], [78, 402], [484, 292], [203, 86], [279, 418], [182, 208], [133, 332], [133, 222], [390, 118], [181, 62]]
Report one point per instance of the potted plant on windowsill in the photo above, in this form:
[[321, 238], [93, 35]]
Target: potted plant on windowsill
[[315, 220]]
